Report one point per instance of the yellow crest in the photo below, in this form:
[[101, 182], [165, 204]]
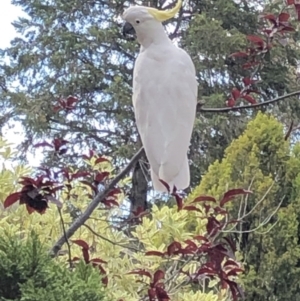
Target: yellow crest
[[163, 15]]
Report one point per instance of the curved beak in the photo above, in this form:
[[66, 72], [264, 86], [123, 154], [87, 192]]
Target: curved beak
[[128, 29]]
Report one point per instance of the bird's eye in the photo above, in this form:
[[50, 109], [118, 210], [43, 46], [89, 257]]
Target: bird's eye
[[137, 21]]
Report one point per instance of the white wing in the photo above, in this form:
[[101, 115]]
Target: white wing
[[164, 99]]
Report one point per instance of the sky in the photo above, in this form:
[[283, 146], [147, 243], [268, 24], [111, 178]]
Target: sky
[[8, 14]]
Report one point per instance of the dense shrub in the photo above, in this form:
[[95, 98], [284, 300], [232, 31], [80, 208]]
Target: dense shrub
[[27, 273]]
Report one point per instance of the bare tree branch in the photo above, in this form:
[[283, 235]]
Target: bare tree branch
[[93, 205], [257, 105]]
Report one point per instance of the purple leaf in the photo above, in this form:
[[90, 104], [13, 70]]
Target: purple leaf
[[11, 199], [229, 195]]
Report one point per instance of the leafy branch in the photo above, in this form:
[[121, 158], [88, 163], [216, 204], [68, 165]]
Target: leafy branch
[[94, 203]]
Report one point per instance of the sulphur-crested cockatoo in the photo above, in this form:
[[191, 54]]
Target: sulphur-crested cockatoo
[[164, 96]]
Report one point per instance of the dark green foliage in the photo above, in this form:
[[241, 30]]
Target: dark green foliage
[[27, 273]]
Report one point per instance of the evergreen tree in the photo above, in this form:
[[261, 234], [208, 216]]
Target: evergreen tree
[[27, 273], [268, 234]]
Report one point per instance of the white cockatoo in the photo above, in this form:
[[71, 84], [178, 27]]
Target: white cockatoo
[[164, 96]]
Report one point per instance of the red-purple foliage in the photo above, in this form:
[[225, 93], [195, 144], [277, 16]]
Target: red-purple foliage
[[35, 194], [215, 248], [252, 57], [66, 105], [95, 262], [59, 145]]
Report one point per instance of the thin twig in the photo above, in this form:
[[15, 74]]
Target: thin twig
[[241, 218], [265, 221], [65, 236], [93, 205], [260, 201], [287, 135], [257, 105], [268, 230], [110, 241], [175, 273]]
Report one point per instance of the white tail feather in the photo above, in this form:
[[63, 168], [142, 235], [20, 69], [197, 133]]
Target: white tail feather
[[181, 181], [157, 185]]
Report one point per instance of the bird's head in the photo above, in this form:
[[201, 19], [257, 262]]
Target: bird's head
[[141, 20]]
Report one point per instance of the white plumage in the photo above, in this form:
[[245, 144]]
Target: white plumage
[[164, 98]]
